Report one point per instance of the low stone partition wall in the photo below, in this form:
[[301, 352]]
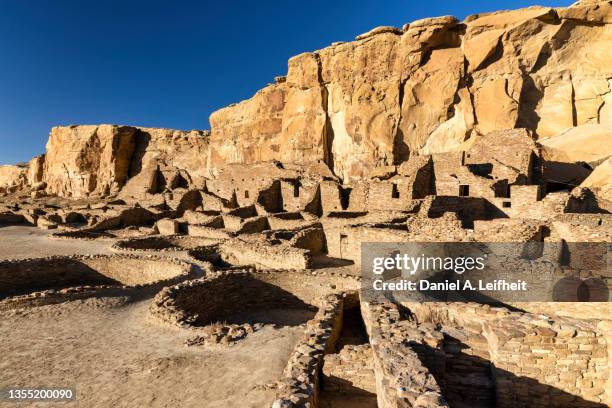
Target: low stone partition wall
[[300, 383], [265, 256], [290, 221], [162, 244], [40, 281], [210, 254], [240, 225], [209, 232], [402, 377]]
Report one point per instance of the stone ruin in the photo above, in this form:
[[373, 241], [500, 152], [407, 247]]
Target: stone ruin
[[494, 129]]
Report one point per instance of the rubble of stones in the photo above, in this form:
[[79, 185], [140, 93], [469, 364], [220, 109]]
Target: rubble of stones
[[221, 334]]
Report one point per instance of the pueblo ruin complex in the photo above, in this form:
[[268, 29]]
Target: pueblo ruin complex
[[167, 268]]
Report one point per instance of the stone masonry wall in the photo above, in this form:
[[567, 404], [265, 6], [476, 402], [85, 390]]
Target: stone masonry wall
[[535, 361]]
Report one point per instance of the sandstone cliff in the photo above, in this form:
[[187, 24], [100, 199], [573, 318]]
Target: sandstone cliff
[[435, 85], [12, 176], [428, 88], [99, 160]]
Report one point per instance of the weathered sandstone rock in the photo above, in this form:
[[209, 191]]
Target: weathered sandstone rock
[[167, 226], [84, 160], [434, 86], [428, 89], [12, 176], [586, 143], [600, 180]]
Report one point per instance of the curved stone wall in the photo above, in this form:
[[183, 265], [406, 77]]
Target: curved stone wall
[[158, 243], [81, 235], [201, 302], [62, 277]]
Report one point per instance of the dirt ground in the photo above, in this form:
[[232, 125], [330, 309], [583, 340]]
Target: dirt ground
[[116, 355], [18, 242]]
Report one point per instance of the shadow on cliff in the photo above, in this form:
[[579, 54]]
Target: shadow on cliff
[[143, 139], [528, 102]]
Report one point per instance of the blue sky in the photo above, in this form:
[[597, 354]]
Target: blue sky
[[167, 63]]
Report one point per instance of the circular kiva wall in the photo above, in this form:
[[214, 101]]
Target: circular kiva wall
[[209, 253], [80, 235], [176, 243], [23, 277], [224, 295]]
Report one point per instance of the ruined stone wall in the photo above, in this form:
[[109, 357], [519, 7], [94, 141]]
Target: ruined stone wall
[[390, 195], [509, 230], [301, 376], [40, 281], [345, 241], [402, 378], [583, 227], [467, 209], [264, 255], [535, 361], [523, 198], [297, 195]]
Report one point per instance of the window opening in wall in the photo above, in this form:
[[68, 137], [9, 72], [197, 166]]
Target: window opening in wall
[[502, 189], [464, 190], [507, 204], [394, 191], [296, 190], [246, 194], [345, 194]]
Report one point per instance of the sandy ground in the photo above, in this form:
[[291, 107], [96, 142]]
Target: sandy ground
[[18, 242], [116, 355]]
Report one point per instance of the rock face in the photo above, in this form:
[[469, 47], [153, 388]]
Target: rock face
[[600, 180], [83, 160], [99, 160], [12, 176], [586, 143], [434, 86], [372, 102]]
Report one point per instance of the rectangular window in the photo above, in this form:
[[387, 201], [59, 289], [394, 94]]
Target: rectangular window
[[246, 194], [506, 204], [464, 190]]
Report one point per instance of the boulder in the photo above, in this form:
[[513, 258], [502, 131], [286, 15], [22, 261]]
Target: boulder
[[600, 180], [586, 143]]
